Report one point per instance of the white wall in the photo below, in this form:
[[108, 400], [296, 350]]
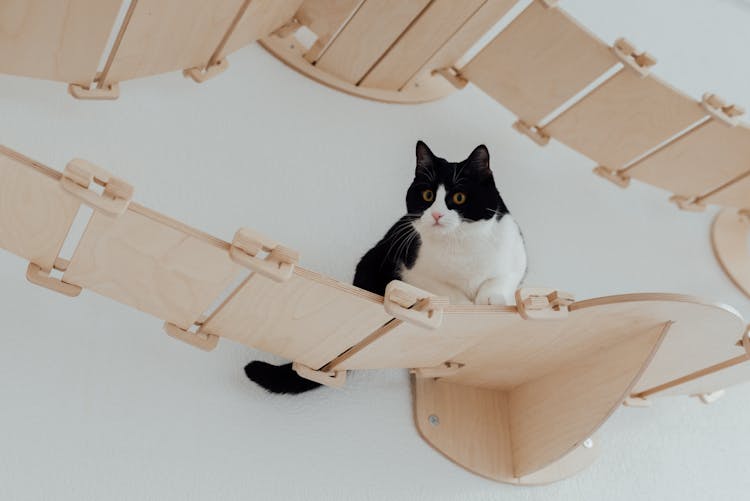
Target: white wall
[[97, 403]]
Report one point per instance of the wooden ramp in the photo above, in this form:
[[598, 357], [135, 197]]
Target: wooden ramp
[[514, 393]]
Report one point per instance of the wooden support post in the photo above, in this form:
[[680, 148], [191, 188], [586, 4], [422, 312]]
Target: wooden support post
[[690, 204], [201, 340], [453, 76], [200, 75], [37, 276], [442, 370], [109, 92], [615, 176], [543, 303], [78, 176], [534, 133], [640, 62], [410, 304], [727, 114]]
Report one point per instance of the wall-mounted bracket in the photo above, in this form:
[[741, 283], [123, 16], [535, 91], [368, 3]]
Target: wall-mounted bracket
[[413, 305], [690, 204], [200, 75], [334, 379], [78, 176], [728, 114], [640, 62], [541, 303], [453, 76], [37, 276], [201, 340], [278, 265], [534, 133], [442, 370], [613, 176]]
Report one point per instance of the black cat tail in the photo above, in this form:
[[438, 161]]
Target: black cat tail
[[278, 378]]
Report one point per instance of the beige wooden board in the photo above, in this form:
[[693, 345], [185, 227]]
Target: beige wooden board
[[368, 35], [542, 59], [326, 17], [55, 39], [439, 22], [168, 35], [154, 264], [552, 415], [35, 212], [698, 162], [310, 319], [408, 345], [730, 236], [624, 118], [464, 39], [261, 18], [292, 54]]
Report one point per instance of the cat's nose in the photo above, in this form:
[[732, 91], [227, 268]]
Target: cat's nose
[[436, 216]]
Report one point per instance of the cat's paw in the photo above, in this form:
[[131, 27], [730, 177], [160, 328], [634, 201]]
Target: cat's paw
[[492, 298]]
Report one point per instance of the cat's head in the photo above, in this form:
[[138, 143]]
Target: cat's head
[[445, 197]]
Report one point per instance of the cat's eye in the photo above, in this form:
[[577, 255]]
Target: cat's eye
[[459, 198], [428, 195]]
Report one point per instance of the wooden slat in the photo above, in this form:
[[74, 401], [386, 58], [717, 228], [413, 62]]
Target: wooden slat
[[407, 345], [624, 118], [261, 18], [467, 35], [435, 26], [325, 18], [168, 35], [698, 162], [310, 318], [367, 36], [551, 416], [35, 212], [147, 261], [55, 39], [542, 59]]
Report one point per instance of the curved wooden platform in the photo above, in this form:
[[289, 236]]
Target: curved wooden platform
[[730, 235], [509, 392]]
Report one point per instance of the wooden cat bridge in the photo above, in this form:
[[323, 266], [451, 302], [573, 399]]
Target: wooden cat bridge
[[558, 78], [514, 393]]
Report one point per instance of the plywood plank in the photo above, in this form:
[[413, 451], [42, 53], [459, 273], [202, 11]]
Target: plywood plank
[[368, 35], [408, 345], [310, 318], [326, 17], [439, 22], [624, 118], [551, 416], [55, 39], [154, 264], [698, 162], [730, 237], [35, 212], [259, 19], [542, 59], [169, 35]]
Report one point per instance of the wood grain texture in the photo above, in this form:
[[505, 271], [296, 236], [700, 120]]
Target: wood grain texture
[[698, 162], [260, 19], [730, 237], [143, 260], [462, 40], [551, 416], [326, 17], [624, 118], [169, 35], [310, 319], [55, 39], [542, 59], [35, 212], [368, 35], [437, 24]]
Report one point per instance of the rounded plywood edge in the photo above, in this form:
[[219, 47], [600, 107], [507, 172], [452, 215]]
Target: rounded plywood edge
[[291, 52], [730, 232]]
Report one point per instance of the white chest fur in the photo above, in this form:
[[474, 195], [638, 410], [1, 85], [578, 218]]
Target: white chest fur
[[482, 262]]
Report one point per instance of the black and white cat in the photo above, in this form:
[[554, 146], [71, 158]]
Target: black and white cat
[[457, 239]]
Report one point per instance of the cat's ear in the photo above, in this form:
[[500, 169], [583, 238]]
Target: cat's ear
[[479, 160], [425, 157]]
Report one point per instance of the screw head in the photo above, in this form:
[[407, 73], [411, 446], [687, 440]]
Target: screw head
[[434, 420], [588, 443]]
